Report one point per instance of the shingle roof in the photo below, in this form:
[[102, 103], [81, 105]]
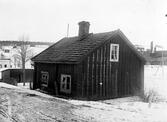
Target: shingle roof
[[73, 49]]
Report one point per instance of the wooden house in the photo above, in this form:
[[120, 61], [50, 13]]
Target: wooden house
[[90, 66]]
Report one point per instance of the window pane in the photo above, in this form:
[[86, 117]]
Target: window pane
[[65, 83], [68, 83], [114, 52], [64, 79]]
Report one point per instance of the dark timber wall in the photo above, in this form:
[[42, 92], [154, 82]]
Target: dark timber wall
[[51, 69], [96, 77], [55, 71], [100, 78]]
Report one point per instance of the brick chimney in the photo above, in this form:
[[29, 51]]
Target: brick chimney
[[83, 28]]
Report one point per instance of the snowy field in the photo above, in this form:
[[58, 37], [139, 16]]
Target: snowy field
[[156, 78], [19, 104]]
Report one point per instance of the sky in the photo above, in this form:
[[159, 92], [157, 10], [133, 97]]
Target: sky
[[142, 21]]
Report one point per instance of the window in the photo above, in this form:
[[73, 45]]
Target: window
[[7, 51], [65, 83], [5, 65], [44, 78], [114, 52]]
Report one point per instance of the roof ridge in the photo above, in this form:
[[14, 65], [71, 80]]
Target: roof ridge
[[75, 49], [130, 44], [106, 32]]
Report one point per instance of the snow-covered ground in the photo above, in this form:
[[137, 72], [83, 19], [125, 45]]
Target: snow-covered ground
[[27, 85], [133, 110], [156, 78], [23, 105]]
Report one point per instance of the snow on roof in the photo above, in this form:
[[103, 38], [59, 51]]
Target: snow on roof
[[3, 69]]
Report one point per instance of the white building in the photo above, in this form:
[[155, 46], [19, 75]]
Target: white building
[[5, 63], [9, 56]]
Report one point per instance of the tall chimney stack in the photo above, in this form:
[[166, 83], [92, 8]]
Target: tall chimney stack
[[152, 47], [83, 28]]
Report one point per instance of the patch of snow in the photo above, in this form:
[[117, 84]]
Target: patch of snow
[[130, 109], [28, 91], [27, 85], [8, 85]]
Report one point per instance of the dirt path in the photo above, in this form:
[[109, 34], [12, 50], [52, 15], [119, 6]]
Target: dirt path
[[31, 108]]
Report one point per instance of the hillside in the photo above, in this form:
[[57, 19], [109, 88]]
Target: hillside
[[15, 42], [23, 105]]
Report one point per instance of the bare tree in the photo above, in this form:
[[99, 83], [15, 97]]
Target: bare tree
[[23, 54]]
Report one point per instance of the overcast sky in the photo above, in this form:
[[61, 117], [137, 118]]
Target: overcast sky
[[142, 21]]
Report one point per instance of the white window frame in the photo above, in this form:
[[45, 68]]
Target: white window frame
[[63, 83], [44, 78], [116, 52]]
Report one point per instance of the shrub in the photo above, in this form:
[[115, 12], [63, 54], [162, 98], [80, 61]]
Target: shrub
[[152, 96], [11, 81]]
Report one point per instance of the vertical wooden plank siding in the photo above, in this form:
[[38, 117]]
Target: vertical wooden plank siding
[[110, 80], [116, 82], [113, 83], [97, 69], [142, 78], [107, 80], [110, 75], [130, 74], [101, 72], [117, 79], [135, 78], [93, 70], [125, 70], [90, 76], [104, 73], [87, 77], [81, 78], [127, 73]]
